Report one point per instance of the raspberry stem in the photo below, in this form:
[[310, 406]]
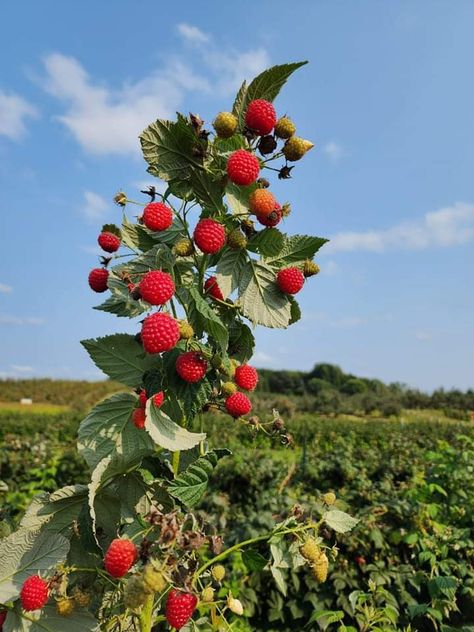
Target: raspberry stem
[[146, 615]]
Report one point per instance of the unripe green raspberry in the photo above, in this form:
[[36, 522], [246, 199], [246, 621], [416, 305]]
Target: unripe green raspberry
[[310, 268], [154, 579], [185, 330], [136, 592], [295, 148], [81, 597], [284, 128], [225, 124], [330, 497], [65, 606], [183, 247], [310, 550], [233, 365], [320, 568], [236, 239], [228, 388], [218, 572], [121, 198], [207, 594]]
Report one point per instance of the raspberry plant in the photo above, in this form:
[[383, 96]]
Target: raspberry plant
[[125, 552]]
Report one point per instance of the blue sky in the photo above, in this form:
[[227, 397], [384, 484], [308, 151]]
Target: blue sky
[[387, 99]]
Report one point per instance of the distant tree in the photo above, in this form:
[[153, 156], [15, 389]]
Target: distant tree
[[353, 386], [315, 385], [328, 372]]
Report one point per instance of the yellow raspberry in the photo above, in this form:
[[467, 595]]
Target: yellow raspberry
[[218, 572], [235, 605], [154, 579], [225, 124], [295, 148], [228, 388], [330, 497], [236, 239], [183, 247], [284, 128], [65, 606], [310, 550], [207, 594], [136, 592], [185, 330], [320, 568]]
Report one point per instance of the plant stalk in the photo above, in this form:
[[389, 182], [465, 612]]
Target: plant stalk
[[146, 615]]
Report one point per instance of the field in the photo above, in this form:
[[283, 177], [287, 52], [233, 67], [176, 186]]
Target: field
[[408, 479]]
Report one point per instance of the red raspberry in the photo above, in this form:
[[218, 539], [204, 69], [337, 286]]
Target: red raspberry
[[98, 279], [290, 280], [213, 289], [260, 116], [109, 242], [120, 557], [270, 220], [34, 593], [191, 366], [238, 404], [158, 399], [3, 616], [157, 216], [160, 332], [262, 202], [209, 236], [179, 608], [138, 418], [156, 287], [246, 377], [142, 399], [243, 167]]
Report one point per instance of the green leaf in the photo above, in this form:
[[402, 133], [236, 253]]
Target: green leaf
[[120, 357], [190, 486], [166, 433], [266, 86], [26, 553], [295, 311], [238, 198], [241, 341], [229, 268], [136, 496], [203, 317], [326, 617], [136, 236], [260, 299], [50, 621], [156, 258], [168, 149], [55, 512], [207, 190], [296, 249], [253, 560], [268, 242], [339, 520], [108, 429]]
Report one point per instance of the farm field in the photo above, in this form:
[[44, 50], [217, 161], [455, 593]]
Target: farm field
[[408, 564]]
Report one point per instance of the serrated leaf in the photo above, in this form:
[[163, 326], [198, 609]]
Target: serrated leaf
[[296, 249], [120, 357], [228, 270], [203, 317], [168, 148], [339, 520], [26, 553], [136, 496], [266, 86], [55, 512], [295, 311], [241, 341], [268, 242], [156, 258], [50, 621], [136, 236], [207, 191], [326, 617], [108, 429], [166, 433], [238, 198], [253, 560], [260, 299], [190, 485]]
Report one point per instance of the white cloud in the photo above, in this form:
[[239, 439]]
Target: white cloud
[[105, 120], [192, 33], [13, 112], [94, 207], [449, 226], [423, 335], [20, 368], [8, 319], [334, 151], [5, 289]]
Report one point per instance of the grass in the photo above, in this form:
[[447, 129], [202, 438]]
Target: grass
[[28, 409]]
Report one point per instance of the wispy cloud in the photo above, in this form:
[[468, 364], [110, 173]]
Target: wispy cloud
[[5, 289], [449, 226], [94, 207], [21, 368], [8, 319], [334, 151], [105, 120], [14, 110]]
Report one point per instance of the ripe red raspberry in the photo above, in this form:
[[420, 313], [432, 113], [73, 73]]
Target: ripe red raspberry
[[209, 236], [156, 287], [109, 242], [160, 332], [246, 377], [158, 399], [270, 220], [157, 216], [290, 280], [243, 167], [120, 557], [262, 202], [98, 279], [238, 404], [34, 593], [213, 289], [138, 418], [3, 616], [260, 116], [142, 398], [191, 366], [179, 608]]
